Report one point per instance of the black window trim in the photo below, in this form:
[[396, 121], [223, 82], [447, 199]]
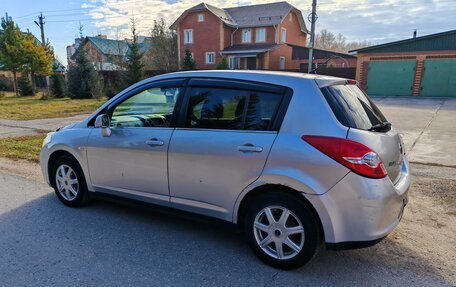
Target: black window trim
[[171, 83], [228, 83]]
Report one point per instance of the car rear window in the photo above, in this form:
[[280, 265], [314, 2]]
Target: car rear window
[[352, 107]]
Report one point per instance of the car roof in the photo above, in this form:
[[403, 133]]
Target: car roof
[[274, 77]]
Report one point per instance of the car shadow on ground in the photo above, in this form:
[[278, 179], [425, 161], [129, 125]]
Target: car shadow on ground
[[45, 243]]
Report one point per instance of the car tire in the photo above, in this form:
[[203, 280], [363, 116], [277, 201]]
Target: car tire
[[283, 245], [69, 183]]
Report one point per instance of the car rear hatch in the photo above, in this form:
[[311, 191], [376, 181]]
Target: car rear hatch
[[366, 123]]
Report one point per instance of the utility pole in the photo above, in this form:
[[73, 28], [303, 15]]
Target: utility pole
[[40, 24], [312, 18]]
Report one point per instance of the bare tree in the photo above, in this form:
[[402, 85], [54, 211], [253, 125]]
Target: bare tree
[[327, 40], [163, 53]]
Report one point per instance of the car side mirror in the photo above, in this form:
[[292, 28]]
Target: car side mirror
[[103, 122]]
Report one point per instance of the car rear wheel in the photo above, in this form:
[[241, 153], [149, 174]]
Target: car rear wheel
[[69, 182], [282, 230]]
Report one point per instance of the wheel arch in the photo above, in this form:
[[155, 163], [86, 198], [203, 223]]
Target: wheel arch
[[53, 157], [246, 200]]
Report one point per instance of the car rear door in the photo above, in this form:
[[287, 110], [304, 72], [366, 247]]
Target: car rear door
[[227, 129]]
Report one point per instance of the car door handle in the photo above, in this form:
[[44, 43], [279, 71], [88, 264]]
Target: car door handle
[[154, 142], [250, 148]]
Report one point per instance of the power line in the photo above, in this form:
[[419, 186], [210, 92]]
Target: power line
[[392, 4], [321, 5], [325, 7], [82, 8], [52, 11]]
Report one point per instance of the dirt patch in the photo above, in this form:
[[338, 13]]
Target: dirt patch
[[426, 238], [21, 167]]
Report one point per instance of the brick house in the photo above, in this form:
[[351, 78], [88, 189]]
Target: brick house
[[251, 37], [106, 54]]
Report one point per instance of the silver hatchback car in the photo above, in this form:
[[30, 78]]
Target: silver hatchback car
[[296, 161]]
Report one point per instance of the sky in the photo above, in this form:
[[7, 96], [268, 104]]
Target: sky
[[376, 21]]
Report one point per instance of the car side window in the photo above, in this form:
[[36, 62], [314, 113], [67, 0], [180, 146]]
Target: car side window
[[231, 109], [152, 107]]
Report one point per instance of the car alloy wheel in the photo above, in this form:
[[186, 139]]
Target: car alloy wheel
[[67, 182], [278, 232]]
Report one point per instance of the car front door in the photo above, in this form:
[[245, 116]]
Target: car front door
[[221, 144], [133, 159]]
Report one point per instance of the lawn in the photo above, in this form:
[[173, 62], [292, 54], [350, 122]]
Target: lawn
[[26, 147], [29, 108]]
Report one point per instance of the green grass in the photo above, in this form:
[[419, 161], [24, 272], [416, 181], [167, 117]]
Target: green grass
[[26, 147], [29, 108]]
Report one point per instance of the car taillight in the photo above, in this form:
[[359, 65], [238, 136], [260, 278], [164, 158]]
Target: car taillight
[[353, 155], [351, 82]]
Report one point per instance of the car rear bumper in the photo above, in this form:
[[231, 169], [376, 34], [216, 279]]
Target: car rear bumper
[[352, 244], [362, 210]]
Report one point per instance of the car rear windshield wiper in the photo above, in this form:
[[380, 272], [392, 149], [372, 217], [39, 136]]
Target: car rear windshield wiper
[[383, 126]]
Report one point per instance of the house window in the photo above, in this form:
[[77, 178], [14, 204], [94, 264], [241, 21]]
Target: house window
[[290, 17], [234, 63], [210, 58], [200, 17], [246, 35], [188, 36], [283, 35], [260, 35]]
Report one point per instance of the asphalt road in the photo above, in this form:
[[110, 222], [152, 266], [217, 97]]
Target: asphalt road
[[43, 243]]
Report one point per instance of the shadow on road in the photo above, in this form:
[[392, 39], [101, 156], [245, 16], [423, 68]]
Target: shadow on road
[[45, 243]]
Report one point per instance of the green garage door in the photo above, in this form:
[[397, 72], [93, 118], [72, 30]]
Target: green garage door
[[439, 78], [390, 78]]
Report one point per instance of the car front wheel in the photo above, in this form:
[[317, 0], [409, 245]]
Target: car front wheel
[[282, 230], [69, 183]]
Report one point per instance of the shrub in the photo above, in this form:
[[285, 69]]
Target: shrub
[[45, 96], [57, 85], [24, 86], [223, 64], [188, 63], [5, 84]]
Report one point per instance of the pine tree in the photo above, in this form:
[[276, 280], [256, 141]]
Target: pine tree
[[24, 86], [188, 63], [223, 64], [134, 65], [83, 81], [11, 48], [57, 83]]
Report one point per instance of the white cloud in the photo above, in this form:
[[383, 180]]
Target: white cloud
[[356, 19]]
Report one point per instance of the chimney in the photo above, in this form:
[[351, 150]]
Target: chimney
[[102, 36], [414, 33]]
